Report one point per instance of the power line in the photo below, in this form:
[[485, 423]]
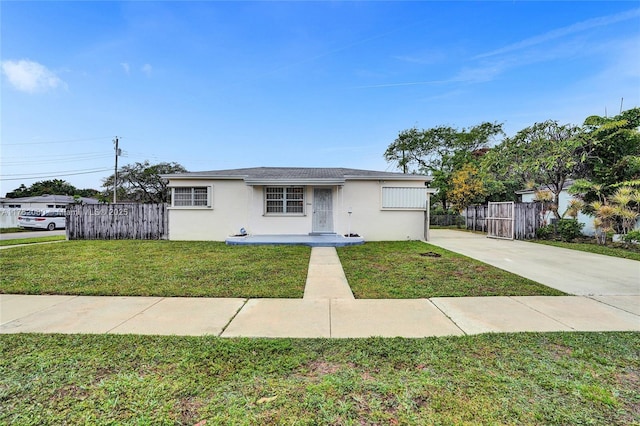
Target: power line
[[54, 174], [56, 155], [44, 162], [54, 142]]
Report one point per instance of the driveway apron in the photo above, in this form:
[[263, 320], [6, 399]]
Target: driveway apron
[[574, 272]]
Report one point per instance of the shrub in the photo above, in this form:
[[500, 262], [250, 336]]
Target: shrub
[[544, 232], [569, 229], [632, 237]]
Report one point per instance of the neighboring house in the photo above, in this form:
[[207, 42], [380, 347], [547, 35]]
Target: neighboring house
[[41, 202], [298, 201], [564, 199], [10, 208]]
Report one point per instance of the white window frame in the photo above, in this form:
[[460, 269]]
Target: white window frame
[[285, 200], [193, 197]]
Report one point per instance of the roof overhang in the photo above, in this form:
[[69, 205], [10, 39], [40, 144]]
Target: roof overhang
[[256, 181], [298, 182]]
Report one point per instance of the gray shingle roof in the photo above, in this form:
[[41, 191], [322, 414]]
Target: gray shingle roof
[[297, 173]]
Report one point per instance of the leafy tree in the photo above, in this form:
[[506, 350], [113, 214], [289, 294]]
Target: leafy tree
[[467, 187], [611, 148], [440, 151], [545, 154], [50, 187], [141, 182]]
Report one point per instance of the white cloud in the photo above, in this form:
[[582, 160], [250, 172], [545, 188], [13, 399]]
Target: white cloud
[[31, 77], [146, 68], [125, 67], [565, 31]]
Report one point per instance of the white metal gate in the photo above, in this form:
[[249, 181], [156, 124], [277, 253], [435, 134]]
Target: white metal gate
[[500, 220], [322, 210]]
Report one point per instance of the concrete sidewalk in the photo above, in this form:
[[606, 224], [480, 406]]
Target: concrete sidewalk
[[310, 317], [328, 309]]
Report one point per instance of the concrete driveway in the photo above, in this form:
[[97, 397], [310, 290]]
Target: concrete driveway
[[571, 271]]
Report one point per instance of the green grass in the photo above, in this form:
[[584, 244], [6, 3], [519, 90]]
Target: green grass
[[625, 253], [393, 270], [155, 268], [12, 230], [19, 241], [528, 379]]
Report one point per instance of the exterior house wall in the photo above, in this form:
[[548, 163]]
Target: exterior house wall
[[236, 205], [227, 214], [261, 223], [374, 223], [564, 200]]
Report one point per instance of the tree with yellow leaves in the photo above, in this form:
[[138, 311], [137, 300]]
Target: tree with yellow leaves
[[467, 187]]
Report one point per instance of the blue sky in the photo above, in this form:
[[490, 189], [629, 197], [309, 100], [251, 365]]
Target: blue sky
[[215, 85]]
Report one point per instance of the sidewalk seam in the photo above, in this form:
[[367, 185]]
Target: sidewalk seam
[[450, 319], [593, 297], [542, 313], [75, 296], [137, 314], [232, 318]]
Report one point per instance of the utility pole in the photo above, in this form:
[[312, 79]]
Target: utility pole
[[115, 175]]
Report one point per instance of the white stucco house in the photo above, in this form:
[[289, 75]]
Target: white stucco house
[[42, 202], [216, 205], [564, 198]]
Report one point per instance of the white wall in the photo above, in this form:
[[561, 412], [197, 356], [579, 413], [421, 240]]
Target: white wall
[[563, 202], [228, 212], [259, 223], [237, 205], [373, 223], [9, 217]]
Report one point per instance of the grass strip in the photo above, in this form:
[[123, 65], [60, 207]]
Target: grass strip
[[155, 268], [528, 379], [19, 241], [413, 269], [622, 252]]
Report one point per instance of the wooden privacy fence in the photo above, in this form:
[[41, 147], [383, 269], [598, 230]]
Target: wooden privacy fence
[[527, 218], [117, 222]]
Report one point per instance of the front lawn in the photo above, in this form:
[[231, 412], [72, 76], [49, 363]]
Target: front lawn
[[527, 378], [413, 269], [155, 268]]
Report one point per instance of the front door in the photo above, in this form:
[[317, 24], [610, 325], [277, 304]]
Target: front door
[[322, 211]]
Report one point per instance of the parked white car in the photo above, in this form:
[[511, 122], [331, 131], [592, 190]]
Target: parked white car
[[42, 219]]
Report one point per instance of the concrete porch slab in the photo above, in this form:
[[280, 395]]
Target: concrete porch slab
[[389, 318], [183, 316], [330, 240], [15, 306], [281, 318], [582, 313], [499, 314], [82, 314]]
